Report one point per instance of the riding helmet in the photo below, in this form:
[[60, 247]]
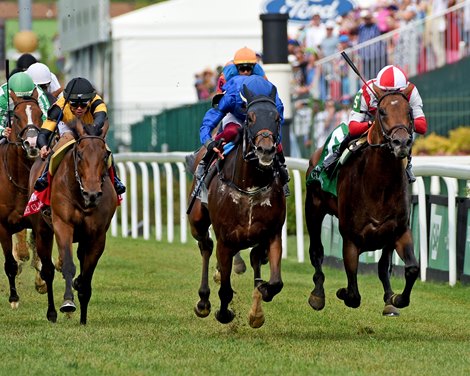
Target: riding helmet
[[391, 77], [21, 84], [79, 89], [40, 73], [245, 55], [25, 61]]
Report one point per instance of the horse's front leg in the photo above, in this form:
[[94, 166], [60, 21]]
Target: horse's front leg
[[64, 238], [314, 219], [384, 271], [224, 258], [350, 295], [44, 251], [199, 220], [405, 249], [88, 253], [20, 249], [10, 266], [274, 286]]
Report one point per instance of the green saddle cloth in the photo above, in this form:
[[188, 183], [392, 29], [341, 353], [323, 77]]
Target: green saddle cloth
[[331, 144]]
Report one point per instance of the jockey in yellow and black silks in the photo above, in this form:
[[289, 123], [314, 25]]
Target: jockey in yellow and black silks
[[79, 101]]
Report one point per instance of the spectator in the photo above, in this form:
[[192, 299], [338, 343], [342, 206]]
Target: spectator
[[374, 56], [324, 123], [314, 33]]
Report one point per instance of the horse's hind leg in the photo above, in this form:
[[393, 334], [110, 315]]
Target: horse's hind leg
[[256, 314], [404, 248], [314, 215], [20, 249], [384, 271], [224, 257], [239, 265], [39, 283]]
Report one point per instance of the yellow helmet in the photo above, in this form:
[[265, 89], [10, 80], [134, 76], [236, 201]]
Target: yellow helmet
[[245, 56]]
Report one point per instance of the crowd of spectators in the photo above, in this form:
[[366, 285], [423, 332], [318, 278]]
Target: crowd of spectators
[[322, 93]]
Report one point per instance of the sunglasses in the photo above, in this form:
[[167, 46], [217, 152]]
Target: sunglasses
[[245, 67], [80, 104]]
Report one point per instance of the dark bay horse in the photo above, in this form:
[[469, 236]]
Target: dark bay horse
[[17, 156], [246, 207], [372, 206], [83, 202]]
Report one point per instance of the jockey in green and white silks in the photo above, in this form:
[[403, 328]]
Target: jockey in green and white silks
[[23, 86]]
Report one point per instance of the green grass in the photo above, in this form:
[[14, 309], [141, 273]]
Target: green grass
[[141, 322]]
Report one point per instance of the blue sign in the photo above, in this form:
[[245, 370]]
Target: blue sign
[[303, 10]]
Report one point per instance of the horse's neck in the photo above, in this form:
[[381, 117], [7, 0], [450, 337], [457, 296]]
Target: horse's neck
[[244, 173]]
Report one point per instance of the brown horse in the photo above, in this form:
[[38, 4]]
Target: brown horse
[[373, 206], [83, 202], [246, 207], [17, 156]]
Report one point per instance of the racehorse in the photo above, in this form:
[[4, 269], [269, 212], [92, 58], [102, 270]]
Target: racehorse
[[246, 207], [372, 206], [17, 156], [83, 202]]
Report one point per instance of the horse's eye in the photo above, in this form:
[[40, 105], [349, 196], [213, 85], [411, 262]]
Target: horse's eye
[[382, 112]]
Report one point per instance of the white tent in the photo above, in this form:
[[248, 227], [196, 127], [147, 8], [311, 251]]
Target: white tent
[[157, 50]]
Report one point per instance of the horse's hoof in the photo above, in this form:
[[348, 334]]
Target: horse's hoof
[[390, 311], [398, 301], [316, 302], [225, 318], [256, 321], [15, 305], [217, 277], [68, 306], [202, 310], [239, 267], [52, 316], [342, 294], [41, 289]]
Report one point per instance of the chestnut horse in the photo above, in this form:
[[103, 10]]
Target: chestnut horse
[[83, 202], [246, 207], [17, 156], [372, 206]]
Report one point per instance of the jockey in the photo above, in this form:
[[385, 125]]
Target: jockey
[[23, 86], [83, 103], [46, 80], [232, 108], [390, 78], [245, 62]]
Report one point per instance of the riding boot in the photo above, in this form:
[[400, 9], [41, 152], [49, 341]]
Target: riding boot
[[331, 160], [201, 167], [118, 186], [42, 183], [409, 172], [283, 173]]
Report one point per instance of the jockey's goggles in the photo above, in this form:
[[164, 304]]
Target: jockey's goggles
[[245, 67], [81, 104]]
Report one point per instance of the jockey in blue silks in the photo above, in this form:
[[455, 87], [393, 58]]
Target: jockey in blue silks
[[231, 110]]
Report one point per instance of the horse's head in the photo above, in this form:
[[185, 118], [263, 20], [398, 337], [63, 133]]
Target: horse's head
[[262, 127], [90, 157], [394, 124], [25, 123]]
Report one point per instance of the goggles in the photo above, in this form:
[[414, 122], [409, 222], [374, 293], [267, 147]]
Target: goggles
[[245, 67], [81, 104]]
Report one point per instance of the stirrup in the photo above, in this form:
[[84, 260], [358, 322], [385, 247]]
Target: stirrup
[[330, 161], [409, 174]]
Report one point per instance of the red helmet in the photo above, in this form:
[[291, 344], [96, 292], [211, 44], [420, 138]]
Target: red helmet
[[391, 78]]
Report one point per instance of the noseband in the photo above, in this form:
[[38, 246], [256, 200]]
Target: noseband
[[388, 134], [262, 128], [76, 158]]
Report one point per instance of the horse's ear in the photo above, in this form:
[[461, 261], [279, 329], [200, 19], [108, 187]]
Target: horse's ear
[[378, 91], [79, 128], [408, 90], [272, 95], [247, 94], [35, 94], [13, 96]]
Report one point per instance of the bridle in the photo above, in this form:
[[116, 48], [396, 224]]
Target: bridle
[[255, 131], [76, 158], [28, 129], [388, 135]]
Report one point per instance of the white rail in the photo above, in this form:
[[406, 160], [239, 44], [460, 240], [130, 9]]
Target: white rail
[[448, 168]]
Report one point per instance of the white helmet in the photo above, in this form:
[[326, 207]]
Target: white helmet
[[391, 78], [40, 73]]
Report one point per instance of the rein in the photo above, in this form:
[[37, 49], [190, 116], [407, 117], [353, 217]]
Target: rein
[[388, 135]]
